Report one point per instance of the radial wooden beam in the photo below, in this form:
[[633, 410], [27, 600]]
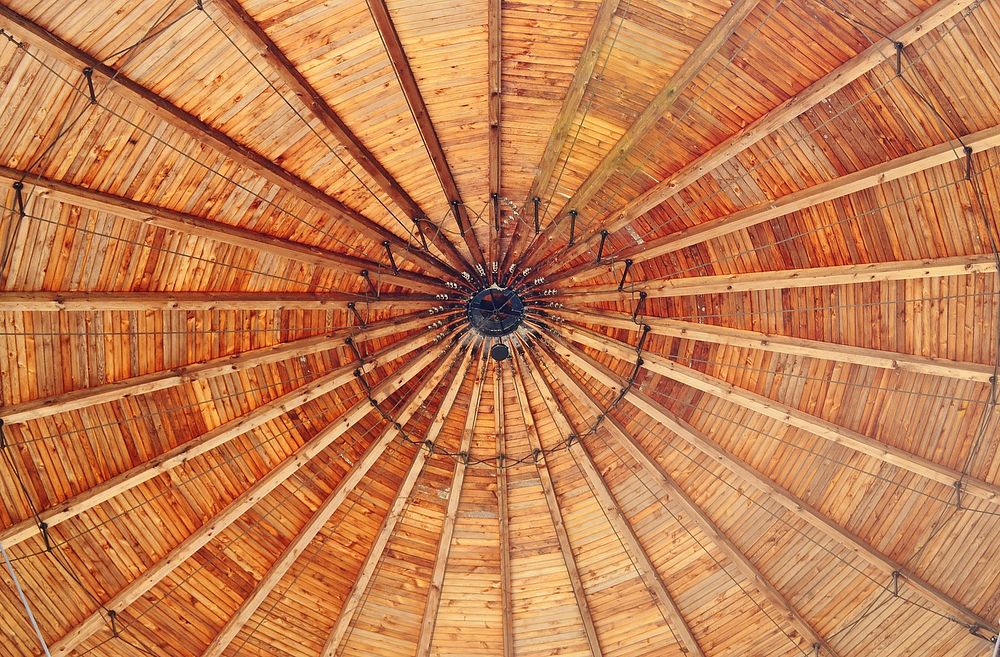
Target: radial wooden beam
[[163, 379], [623, 529], [289, 74], [426, 633], [411, 91], [188, 224], [671, 495], [330, 505], [664, 101], [140, 301], [900, 270], [216, 437], [555, 513], [776, 118], [494, 29], [37, 36], [201, 536], [798, 508], [851, 183], [354, 599], [731, 337], [788, 415], [503, 515]]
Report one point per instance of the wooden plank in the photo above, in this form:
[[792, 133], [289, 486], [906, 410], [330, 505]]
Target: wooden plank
[[426, 634], [237, 362], [395, 513], [322, 515], [795, 506], [311, 99], [210, 440], [411, 91], [669, 492], [503, 517], [494, 29], [895, 169], [788, 415], [787, 279], [723, 335], [678, 83], [555, 513], [191, 125], [140, 301], [201, 536], [835, 80], [647, 571], [145, 213]]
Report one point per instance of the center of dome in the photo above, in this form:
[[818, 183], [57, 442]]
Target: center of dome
[[495, 311]]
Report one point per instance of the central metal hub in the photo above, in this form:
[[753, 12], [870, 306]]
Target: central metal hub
[[495, 311]]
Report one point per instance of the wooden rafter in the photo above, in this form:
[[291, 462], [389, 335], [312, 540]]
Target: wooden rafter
[[494, 16], [851, 183], [210, 440], [415, 100], [163, 379], [795, 506], [395, 512], [731, 337], [622, 527], [429, 620], [654, 111], [139, 301], [289, 74], [201, 536], [38, 37], [835, 80], [326, 510], [675, 498], [503, 516], [900, 270], [188, 224], [555, 513], [788, 415]]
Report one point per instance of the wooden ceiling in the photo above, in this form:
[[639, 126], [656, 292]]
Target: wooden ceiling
[[750, 410]]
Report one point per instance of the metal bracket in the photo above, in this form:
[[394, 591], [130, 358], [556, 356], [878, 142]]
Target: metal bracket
[[44, 528], [371, 285], [968, 162], [19, 197], [898, 45], [572, 227], [458, 218], [535, 202], [388, 252], [354, 347], [420, 232], [640, 306], [89, 74], [621, 283], [354, 309], [600, 247]]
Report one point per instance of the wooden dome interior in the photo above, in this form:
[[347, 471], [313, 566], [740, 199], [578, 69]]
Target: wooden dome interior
[[742, 254]]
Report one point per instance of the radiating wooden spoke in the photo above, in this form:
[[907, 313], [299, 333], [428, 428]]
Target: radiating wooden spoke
[[790, 416], [548, 490], [731, 337], [795, 506], [503, 514], [429, 620], [197, 540], [325, 511], [647, 571]]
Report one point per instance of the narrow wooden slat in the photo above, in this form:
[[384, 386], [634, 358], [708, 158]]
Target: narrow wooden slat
[[201, 536], [795, 506], [191, 125], [322, 515], [503, 517], [780, 344], [555, 513], [290, 75], [647, 571], [415, 100], [139, 301], [787, 279], [660, 105], [788, 415], [395, 513], [669, 492], [222, 434], [429, 620], [895, 169], [835, 80]]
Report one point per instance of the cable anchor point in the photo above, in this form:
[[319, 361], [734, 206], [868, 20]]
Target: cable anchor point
[[89, 74]]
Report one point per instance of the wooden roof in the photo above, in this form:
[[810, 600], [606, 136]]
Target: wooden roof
[[750, 410]]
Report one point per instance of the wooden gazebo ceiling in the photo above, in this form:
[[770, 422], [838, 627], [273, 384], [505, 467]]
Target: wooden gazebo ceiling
[[749, 409]]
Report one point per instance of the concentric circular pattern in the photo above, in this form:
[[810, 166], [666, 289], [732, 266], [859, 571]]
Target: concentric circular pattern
[[399, 328]]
